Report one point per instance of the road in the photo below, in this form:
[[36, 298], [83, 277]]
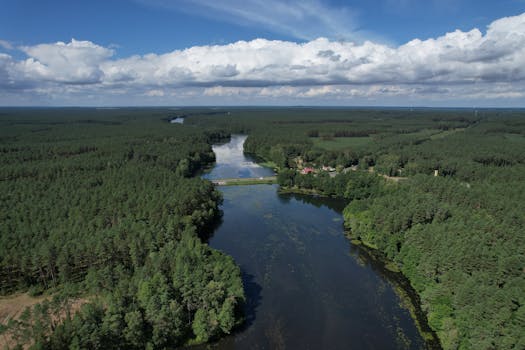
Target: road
[[245, 181]]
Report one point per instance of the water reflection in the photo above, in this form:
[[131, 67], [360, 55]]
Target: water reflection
[[231, 162], [319, 201], [253, 291]]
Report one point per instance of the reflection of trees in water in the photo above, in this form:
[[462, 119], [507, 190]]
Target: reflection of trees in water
[[334, 204], [252, 291], [400, 284], [231, 162]]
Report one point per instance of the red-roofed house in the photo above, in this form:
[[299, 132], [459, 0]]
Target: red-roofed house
[[307, 171]]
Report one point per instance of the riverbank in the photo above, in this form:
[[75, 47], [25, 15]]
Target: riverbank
[[410, 298]]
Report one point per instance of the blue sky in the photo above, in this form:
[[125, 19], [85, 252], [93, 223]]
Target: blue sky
[[78, 52]]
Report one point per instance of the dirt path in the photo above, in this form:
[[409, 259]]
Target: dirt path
[[13, 306]]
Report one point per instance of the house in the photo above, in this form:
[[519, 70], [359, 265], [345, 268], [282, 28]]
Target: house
[[307, 171]]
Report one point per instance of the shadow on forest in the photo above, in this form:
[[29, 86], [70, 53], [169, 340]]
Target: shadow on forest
[[207, 232]]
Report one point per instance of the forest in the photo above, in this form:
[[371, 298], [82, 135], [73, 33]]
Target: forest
[[106, 206], [103, 206]]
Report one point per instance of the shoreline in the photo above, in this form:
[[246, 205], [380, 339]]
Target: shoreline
[[408, 295]]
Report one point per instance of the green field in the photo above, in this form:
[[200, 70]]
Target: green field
[[340, 143], [515, 137]]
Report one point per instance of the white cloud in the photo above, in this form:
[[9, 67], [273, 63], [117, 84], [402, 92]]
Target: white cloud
[[77, 62], [279, 91], [6, 45], [154, 93], [318, 69], [326, 90], [226, 91]]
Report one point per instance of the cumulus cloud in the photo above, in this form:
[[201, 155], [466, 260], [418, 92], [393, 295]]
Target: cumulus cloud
[[77, 62], [317, 69]]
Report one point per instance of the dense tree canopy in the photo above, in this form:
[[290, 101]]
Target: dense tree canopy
[[106, 202]]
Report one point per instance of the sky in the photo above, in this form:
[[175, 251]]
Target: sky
[[435, 53]]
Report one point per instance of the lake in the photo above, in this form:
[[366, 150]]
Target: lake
[[307, 286]]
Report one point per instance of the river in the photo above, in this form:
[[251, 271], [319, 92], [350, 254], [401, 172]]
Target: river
[[307, 286]]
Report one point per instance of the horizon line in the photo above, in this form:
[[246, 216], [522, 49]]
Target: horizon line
[[258, 106]]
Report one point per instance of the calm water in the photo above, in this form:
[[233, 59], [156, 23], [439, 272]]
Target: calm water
[[307, 286], [232, 163]]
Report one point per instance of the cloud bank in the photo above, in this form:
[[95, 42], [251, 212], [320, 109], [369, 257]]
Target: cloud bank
[[456, 66]]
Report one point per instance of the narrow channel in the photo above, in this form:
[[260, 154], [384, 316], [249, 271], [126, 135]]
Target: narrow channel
[[307, 286]]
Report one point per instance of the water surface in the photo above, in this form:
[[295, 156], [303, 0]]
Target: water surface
[[307, 286], [231, 163]]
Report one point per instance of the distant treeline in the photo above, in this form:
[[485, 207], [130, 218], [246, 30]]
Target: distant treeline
[[195, 113]]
